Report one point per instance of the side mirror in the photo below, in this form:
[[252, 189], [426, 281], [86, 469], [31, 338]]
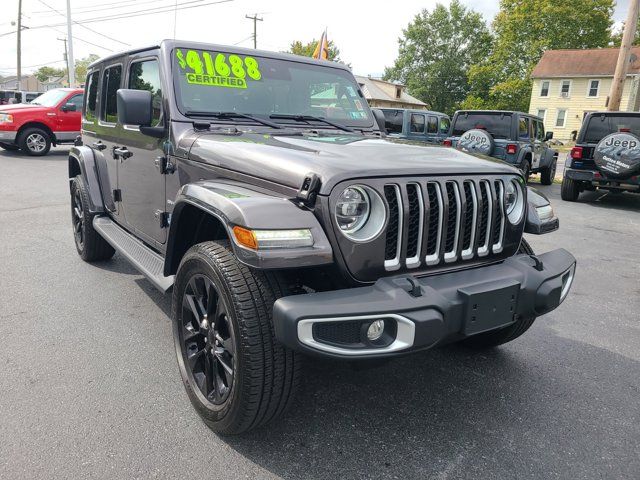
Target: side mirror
[[69, 107], [541, 218], [380, 120], [548, 136], [134, 107]]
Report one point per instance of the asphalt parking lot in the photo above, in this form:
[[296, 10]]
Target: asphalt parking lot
[[89, 386]]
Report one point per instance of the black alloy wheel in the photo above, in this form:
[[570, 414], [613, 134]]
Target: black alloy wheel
[[77, 219], [209, 339]]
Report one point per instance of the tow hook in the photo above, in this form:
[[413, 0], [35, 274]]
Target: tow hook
[[539, 265], [414, 287]]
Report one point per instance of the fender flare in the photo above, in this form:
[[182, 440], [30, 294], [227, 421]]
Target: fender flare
[[548, 158], [82, 162], [523, 153], [233, 205]]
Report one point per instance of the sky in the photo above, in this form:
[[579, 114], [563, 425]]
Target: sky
[[366, 33]]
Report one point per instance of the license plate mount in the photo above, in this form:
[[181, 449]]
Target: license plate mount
[[489, 306]]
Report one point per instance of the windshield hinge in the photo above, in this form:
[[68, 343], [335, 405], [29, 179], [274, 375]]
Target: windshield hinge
[[309, 189]]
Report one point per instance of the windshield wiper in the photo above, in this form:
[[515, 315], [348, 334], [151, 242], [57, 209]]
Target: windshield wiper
[[308, 118], [222, 115]]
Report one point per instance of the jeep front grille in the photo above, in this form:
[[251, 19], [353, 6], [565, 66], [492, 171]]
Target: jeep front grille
[[436, 222]]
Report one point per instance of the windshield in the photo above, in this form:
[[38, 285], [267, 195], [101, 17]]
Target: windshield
[[207, 81], [50, 98], [497, 124], [602, 125]]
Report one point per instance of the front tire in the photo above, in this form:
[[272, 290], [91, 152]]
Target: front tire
[[504, 335], [570, 189], [35, 142], [235, 372], [548, 174], [90, 245]]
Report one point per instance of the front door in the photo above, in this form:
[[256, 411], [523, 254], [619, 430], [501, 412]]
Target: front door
[[69, 120], [141, 183], [539, 145]]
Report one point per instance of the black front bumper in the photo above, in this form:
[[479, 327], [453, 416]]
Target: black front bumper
[[419, 313]]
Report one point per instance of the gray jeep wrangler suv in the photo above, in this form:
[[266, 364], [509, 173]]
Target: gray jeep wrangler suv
[[259, 188]]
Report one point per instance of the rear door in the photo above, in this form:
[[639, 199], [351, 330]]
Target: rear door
[[140, 180]]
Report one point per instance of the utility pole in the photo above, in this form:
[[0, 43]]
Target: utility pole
[[624, 55], [70, 63], [66, 54], [19, 46], [255, 21]]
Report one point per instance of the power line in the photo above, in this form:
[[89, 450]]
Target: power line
[[138, 13], [87, 28], [91, 8]]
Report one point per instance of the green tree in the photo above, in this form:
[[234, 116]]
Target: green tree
[[82, 65], [45, 73], [306, 49], [435, 52], [616, 37], [524, 29]]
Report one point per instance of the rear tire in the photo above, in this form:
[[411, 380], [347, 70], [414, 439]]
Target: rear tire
[[90, 245], [35, 142], [570, 189], [548, 174], [236, 374], [10, 147], [498, 337]]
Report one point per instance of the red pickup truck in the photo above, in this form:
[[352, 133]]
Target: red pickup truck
[[53, 118]]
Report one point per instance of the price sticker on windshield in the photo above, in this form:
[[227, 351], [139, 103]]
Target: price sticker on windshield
[[217, 69]]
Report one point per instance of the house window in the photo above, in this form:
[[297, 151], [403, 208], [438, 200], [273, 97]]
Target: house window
[[594, 88], [565, 88], [544, 88], [542, 113], [398, 91], [417, 123], [560, 119]]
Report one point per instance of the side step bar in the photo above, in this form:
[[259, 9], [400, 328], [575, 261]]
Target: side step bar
[[145, 260]]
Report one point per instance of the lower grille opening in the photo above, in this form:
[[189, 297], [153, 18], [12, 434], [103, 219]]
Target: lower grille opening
[[344, 333]]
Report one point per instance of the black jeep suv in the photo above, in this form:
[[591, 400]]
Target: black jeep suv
[[517, 138], [606, 155], [258, 186]]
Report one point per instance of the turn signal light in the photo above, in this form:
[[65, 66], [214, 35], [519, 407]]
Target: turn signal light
[[245, 237], [576, 153], [512, 148]]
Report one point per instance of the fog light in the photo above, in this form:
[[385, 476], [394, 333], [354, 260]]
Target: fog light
[[375, 330]]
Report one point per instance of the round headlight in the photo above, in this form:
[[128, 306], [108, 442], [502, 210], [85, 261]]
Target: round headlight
[[352, 209], [360, 213], [513, 201]]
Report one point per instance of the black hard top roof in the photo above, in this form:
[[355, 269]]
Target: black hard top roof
[[170, 44]]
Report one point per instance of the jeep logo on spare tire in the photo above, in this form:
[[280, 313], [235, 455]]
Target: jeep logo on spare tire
[[476, 141], [618, 155]]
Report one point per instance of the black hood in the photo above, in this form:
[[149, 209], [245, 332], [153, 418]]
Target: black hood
[[287, 159]]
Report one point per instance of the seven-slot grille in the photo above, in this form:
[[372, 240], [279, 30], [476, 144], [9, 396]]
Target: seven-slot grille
[[444, 221]]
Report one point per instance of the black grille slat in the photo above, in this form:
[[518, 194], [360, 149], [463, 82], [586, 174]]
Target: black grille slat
[[483, 220], [468, 218], [413, 236], [497, 224], [452, 217], [391, 248], [434, 213]]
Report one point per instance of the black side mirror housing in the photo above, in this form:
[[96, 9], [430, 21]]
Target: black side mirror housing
[[540, 215], [380, 120], [69, 107], [548, 136], [134, 107]]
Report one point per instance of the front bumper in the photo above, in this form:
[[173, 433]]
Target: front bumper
[[420, 313], [8, 136]]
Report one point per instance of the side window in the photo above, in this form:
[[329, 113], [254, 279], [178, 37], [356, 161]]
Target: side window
[[417, 123], [523, 129], [540, 131], [92, 97], [110, 85], [146, 76], [445, 124], [77, 101], [432, 126]]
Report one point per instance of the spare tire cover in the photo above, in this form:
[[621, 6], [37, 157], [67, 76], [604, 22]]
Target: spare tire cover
[[618, 155], [476, 141]]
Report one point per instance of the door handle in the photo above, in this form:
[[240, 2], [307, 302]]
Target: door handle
[[98, 145], [121, 152]]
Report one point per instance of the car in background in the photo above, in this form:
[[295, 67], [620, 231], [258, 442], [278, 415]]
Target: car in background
[[11, 97], [52, 118], [422, 125], [517, 138], [606, 155]]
